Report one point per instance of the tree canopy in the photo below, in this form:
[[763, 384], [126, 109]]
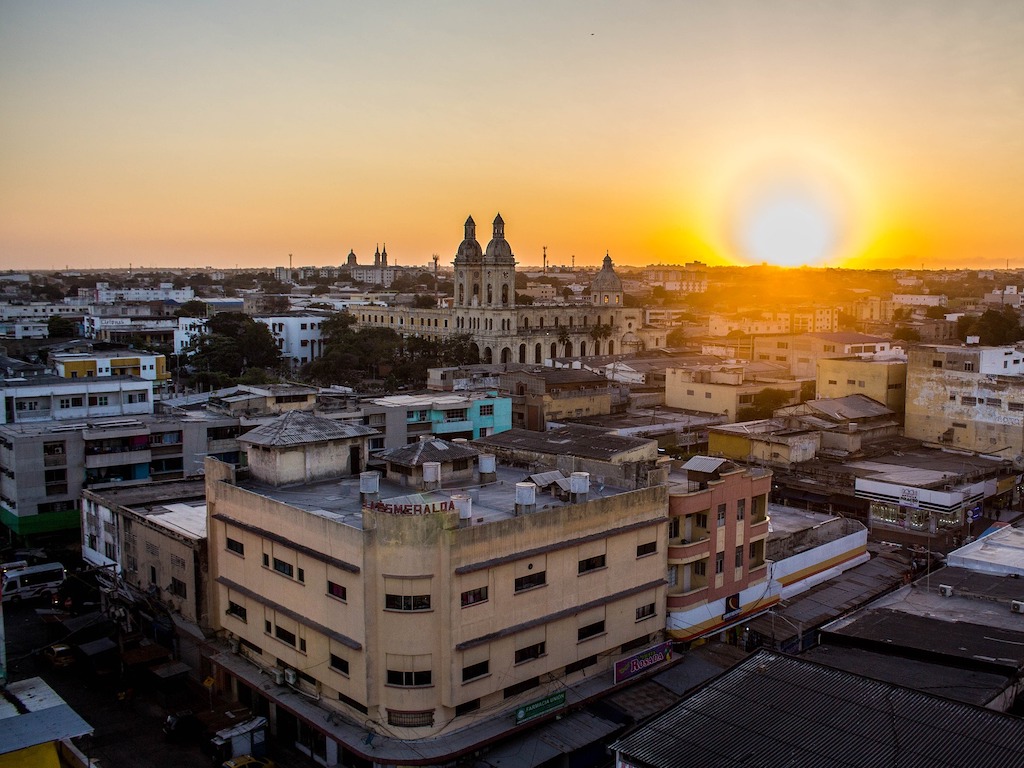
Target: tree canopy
[[233, 345], [994, 327]]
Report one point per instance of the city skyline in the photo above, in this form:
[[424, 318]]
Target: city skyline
[[231, 135]]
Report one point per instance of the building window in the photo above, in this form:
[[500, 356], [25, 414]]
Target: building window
[[339, 664], [474, 596], [591, 563], [284, 568], [407, 602], [411, 719], [465, 708], [589, 631], [409, 679], [719, 562], [968, 367], [530, 652], [578, 666], [233, 545], [721, 514], [646, 612], [741, 508], [487, 410], [531, 580], [266, 560], [702, 519], [646, 549], [700, 568], [707, 395], [284, 635], [522, 687], [236, 610], [739, 557], [178, 588], [337, 590], [99, 400], [474, 671]]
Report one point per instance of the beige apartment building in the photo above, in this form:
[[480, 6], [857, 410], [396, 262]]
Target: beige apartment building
[[883, 379], [800, 352], [413, 623], [967, 397], [727, 389]]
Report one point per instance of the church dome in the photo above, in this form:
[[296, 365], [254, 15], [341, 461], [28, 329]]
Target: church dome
[[499, 249], [606, 281], [469, 249]]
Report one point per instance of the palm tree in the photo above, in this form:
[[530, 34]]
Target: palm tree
[[563, 339]]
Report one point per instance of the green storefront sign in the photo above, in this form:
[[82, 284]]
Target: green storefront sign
[[540, 707]]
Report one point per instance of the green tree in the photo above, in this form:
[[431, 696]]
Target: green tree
[[193, 308], [423, 301], [907, 334], [935, 313], [764, 404], [60, 328], [564, 337], [233, 344], [994, 327]]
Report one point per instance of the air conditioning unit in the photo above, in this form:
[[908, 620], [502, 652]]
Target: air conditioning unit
[[945, 590], [278, 674], [1017, 606], [291, 676]]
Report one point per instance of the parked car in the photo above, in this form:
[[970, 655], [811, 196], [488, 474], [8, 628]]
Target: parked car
[[248, 761], [183, 726], [59, 655]]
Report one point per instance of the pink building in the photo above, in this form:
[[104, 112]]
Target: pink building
[[718, 526]]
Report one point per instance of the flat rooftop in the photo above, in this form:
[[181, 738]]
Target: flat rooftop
[[339, 500], [1000, 552], [155, 422], [573, 440]]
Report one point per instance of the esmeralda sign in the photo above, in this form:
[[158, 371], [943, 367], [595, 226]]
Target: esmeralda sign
[[631, 666], [540, 707]]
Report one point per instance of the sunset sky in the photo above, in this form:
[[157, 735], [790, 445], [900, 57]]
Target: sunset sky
[[885, 134]]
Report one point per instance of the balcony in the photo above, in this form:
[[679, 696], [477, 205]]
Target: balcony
[[680, 600], [758, 529], [680, 554], [117, 458]]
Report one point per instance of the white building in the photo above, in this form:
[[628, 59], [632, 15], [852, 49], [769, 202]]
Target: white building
[[298, 336], [44, 398], [104, 294]]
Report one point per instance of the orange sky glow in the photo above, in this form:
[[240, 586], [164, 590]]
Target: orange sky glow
[[870, 134]]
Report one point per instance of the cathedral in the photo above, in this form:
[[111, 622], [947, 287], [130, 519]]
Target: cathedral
[[484, 307]]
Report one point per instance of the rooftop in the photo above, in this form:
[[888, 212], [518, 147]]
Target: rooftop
[[1000, 552], [301, 428], [573, 439], [32, 714], [801, 721], [339, 499]]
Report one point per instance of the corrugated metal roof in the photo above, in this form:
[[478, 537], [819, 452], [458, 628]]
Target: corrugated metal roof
[[302, 427], [775, 710], [704, 464], [428, 450], [570, 440]]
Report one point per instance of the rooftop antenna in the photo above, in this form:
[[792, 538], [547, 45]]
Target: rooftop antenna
[[574, 262], [545, 268], [436, 259]]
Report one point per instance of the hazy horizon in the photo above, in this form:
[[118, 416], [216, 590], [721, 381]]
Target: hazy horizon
[[863, 135]]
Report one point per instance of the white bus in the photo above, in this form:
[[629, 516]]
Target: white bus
[[32, 581]]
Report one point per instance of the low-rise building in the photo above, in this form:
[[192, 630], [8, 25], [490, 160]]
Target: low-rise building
[[800, 352], [128, 362], [970, 398], [421, 624], [542, 395], [881, 377], [728, 389]]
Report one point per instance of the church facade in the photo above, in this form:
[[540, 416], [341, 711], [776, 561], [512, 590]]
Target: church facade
[[484, 307]]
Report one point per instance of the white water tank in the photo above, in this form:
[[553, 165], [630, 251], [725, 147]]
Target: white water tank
[[369, 482], [431, 472], [579, 486], [526, 498], [464, 505], [487, 464]]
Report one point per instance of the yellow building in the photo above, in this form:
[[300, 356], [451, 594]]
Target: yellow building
[[376, 620], [726, 389], [883, 380], [85, 365]]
